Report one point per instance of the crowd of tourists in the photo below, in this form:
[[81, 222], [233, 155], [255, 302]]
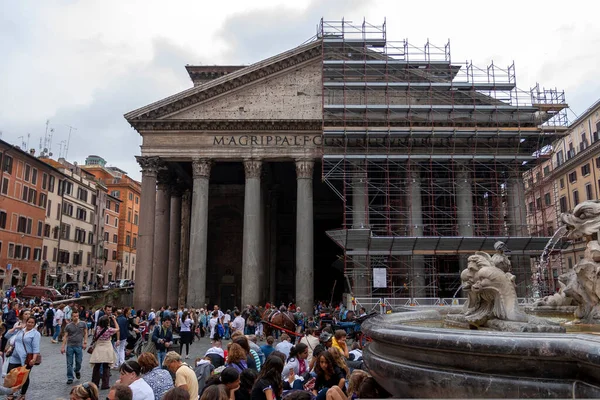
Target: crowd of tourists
[[150, 350]]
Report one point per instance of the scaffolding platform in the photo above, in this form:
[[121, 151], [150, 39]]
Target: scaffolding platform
[[428, 157]]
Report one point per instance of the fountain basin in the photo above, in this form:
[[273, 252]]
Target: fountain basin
[[413, 361]]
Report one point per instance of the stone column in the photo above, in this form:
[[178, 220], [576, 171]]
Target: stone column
[[464, 201], [517, 219], [272, 245], [361, 276], [464, 207], [174, 247], [252, 234], [160, 268], [184, 253], [196, 295], [142, 294], [304, 235], [417, 279]]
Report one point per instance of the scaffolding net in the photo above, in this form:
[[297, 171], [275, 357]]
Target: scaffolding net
[[428, 156]]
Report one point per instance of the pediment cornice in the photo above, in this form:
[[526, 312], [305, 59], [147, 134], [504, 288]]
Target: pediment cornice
[[231, 81], [145, 125]]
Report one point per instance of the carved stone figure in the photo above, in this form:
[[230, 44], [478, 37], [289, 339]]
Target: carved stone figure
[[582, 283], [492, 298]]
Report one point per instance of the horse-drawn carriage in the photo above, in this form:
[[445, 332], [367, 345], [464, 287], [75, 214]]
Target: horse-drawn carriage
[[331, 319]]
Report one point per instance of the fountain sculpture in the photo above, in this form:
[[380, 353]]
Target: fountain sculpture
[[505, 352], [580, 286]]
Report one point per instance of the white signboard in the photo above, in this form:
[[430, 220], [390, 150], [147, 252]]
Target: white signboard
[[379, 277]]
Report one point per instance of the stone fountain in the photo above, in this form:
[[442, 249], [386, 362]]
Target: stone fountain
[[580, 286], [503, 352]]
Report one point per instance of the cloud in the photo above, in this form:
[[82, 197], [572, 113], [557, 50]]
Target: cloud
[[257, 34]]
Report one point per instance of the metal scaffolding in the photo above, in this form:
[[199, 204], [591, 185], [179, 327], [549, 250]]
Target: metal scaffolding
[[427, 156]]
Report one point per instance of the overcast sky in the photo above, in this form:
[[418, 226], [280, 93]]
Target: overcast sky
[[86, 63]]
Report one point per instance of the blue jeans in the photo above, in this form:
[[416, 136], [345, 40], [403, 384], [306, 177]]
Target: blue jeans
[[322, 395], [227, 331], [77, 353], [161, 357], [56, 332]]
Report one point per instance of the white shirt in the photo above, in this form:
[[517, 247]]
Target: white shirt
[[141, 390], [357, 354], [215, 350], [58, 317], [151, 316], [211, 325], [186, 325], [226, 318], [238, 324], [284, 347]]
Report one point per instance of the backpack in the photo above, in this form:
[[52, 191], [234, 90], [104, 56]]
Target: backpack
[[50, 314], [220, 330]]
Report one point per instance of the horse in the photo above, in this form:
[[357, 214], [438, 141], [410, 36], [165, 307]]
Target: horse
[[282, 319]]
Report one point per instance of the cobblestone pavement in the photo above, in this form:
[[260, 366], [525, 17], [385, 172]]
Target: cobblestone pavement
[[49, 380]]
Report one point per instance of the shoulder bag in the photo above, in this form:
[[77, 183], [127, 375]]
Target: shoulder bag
[[29, 357], [90, 349]]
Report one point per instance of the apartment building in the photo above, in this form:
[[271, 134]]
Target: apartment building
[[569, 176], [127, 190], [112, 264], [576, 172], [542, 220], [25, 181], [51, 234], [76, 243]]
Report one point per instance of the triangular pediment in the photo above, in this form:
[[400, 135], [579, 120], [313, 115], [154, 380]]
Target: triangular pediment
[[252, 79], [291, 94]]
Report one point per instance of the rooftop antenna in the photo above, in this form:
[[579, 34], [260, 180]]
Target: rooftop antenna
[[60, 148], [68, 140], [23, 143]]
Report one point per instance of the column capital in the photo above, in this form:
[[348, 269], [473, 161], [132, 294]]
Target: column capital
[[305, 168], [253, 168], [149, 164], [201, 167]]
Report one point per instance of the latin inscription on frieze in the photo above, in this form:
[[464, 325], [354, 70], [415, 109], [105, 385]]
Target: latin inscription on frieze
[[268, 140]]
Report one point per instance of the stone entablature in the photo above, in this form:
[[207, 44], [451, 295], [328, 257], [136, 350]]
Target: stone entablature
[[185, 146]]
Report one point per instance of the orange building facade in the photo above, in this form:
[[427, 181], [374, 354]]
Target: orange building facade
[[127, 190], [23, 200]]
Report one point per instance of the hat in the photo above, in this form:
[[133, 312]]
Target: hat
[[325, 337]]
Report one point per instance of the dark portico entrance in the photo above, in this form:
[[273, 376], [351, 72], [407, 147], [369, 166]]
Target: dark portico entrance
[[225, 235]]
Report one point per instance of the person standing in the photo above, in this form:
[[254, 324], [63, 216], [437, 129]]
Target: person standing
[[27, 341], [187, 336], [103, 355], [124, 332], [238, 322], [162, 337], [74, 342], [59, 315], [68, 311], [49, 320]]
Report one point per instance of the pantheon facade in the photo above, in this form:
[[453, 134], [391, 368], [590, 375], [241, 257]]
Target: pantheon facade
[[347, 164], [228, 169]]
